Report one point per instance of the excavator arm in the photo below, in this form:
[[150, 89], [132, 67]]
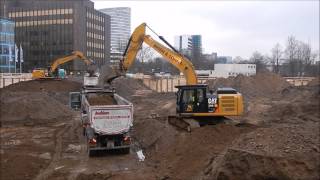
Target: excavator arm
[[74, 55], [172, 56]]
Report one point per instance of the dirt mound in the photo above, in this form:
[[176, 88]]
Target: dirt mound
[[261, 85], [127, 87], [102, 100], [238, 164], [287, 152], [43, 86], [34, 102], [32, 108]]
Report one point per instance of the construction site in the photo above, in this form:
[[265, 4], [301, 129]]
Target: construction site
[[276, 138], [80, 111]]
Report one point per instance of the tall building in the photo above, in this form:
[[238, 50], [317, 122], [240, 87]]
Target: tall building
[[183, 44], [196, 46], [189, 45], [7, 47], [49, 29], [120, 30]]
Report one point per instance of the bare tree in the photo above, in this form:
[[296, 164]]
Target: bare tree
[[276, 56], [304, 57], [291, 53], [259, 60], [145, 54], [237, 59]]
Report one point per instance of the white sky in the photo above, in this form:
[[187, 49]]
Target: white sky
[[233, 28]]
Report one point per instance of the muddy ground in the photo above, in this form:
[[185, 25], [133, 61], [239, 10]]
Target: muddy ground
[[278, 137]]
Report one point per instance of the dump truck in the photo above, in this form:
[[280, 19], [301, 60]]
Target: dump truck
[[106, 118]]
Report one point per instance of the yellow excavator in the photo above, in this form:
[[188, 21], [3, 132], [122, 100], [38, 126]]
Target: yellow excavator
[[43, 73], [194, 102]]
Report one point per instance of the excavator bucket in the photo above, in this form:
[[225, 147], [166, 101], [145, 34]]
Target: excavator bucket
[[186, 124]]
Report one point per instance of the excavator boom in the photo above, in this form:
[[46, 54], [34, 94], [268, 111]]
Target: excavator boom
[[139, 37], [44, 74], [73, 56]]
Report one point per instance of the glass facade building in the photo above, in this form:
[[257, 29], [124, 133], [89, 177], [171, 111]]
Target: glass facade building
[[189, 45], [120, 30], [7, 59], [51, 29]]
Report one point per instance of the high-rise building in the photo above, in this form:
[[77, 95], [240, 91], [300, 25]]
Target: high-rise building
[[196, 46], [7, 47], [49, 29], [183, 44], [120, 30], [189, 45]]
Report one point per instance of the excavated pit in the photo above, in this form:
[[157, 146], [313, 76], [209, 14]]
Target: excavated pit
[[279, 137]]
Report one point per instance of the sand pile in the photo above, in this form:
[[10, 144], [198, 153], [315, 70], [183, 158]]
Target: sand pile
[[36, 102], [261, 85]]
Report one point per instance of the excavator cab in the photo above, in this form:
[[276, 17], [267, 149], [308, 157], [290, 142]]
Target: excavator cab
[[192, 99]]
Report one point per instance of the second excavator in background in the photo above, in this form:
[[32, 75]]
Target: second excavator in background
[[52, 73], [194, 103]]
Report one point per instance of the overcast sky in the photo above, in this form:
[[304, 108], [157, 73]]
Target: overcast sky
[[230, 28]]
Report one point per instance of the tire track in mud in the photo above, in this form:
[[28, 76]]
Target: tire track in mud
[[44, 174]]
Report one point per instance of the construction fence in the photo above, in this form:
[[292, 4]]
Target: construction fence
[[10, 78], [167, 84]]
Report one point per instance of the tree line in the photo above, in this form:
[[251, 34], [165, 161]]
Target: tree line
[[295, 58]]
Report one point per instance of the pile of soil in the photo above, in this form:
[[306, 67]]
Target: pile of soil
[[43, 86], [102, 100], [286, 146], [36, 102], [261, 85], [126, 87]]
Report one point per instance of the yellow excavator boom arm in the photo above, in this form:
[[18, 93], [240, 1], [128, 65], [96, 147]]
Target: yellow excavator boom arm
[[74, 55], [179, 61]]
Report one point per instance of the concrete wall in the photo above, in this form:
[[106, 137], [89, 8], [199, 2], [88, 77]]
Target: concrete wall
[[10, 78]]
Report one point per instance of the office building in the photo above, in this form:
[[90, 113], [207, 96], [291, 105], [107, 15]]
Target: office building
[[120, 30], [50, 29], [7, 47], [189, 45], [183, 44], [224, 60]]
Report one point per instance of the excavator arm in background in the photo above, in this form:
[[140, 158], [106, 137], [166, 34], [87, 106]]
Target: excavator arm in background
[[73, 56], [139, 37], [43, 73]]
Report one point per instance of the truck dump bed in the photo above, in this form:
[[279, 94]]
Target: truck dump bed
[[108, 114]]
